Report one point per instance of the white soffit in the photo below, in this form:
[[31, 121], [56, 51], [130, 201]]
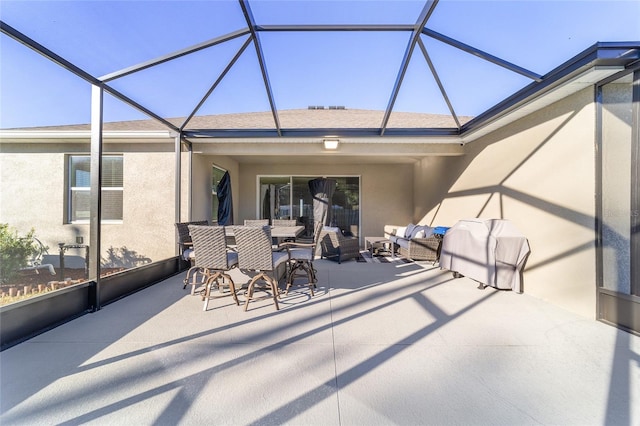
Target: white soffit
[[586, 79]]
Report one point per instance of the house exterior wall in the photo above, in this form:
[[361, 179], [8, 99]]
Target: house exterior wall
[[386, 190], [202, 181], [33, 182], [539, 173]]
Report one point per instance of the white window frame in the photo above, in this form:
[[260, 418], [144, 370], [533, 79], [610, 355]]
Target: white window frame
[[72, 189]]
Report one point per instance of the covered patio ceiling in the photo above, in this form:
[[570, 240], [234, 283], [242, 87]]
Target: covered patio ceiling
[[408, 73]]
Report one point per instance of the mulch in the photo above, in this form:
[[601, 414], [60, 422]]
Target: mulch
[[32, 278]]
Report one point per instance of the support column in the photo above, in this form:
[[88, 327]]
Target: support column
[[95, 213], [635, 187], [178, 183]]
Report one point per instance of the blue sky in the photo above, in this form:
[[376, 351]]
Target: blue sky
[[356, 70]]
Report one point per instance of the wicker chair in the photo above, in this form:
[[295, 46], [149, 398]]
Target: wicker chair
[[184, 239], [336, 246], [255, 254], [422, 249], [212, 261], [301, 254]]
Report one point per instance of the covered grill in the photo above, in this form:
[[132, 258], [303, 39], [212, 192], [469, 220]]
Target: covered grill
[[490, 251]]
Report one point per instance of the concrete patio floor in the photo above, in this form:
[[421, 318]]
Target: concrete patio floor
[[378, 344]]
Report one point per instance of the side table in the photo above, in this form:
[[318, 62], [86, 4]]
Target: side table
[[374, 244]]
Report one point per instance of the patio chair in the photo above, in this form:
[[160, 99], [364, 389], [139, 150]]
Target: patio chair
[[213, 260], [301, 254], [184, 239], [255, 253], [335, 246], [256, 222]]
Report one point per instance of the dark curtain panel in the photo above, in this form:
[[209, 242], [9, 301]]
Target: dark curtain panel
[[225, 203], [321, 191], [266, 204]]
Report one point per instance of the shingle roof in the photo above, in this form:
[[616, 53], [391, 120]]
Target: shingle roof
[[292, 119]]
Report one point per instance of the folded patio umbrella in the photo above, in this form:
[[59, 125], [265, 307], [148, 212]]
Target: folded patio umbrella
[[321, 191], [225, 201]]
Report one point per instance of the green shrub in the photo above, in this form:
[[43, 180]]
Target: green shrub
[[15, 251]]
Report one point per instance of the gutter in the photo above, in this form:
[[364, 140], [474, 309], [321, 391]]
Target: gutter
[[80, 135]]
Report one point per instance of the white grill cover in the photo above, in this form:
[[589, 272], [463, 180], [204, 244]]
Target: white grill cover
[[490, 251]]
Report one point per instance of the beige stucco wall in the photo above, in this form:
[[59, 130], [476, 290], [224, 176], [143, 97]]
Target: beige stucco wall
[[386, 190], [202, 180], [538, 172], [32, 178]]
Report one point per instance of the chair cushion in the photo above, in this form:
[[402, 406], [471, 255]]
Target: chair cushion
[[188, 254], [232, 259], [332, 229], [401, 231], [279, 257], [403, 242], [300, 253], [422, 231]]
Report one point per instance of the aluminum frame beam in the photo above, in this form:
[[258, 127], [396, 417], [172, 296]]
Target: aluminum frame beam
[[174, 55], [54, 57], [248, 15], [438, 81], [218, 80], [480, 54], [427, 10], [336, 28]]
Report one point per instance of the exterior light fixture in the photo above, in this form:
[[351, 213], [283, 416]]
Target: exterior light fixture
[[331, 144]]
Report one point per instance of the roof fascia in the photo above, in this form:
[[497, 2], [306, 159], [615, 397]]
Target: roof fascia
[[83, 136], [318, 133]]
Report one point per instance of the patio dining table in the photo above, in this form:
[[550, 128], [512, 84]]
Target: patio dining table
[[276, 231]]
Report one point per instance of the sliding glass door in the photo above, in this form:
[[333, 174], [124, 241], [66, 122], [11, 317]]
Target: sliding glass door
[[289, 197]]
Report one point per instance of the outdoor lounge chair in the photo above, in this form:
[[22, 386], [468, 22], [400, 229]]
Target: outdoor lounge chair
[[213, 260], [336, 246], [255, 254]]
